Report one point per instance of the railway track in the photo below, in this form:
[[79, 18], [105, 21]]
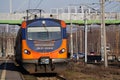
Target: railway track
[[43, 76], [40, 76]]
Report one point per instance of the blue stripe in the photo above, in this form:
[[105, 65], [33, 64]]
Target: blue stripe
[[31, 45], [23, 33], [64, 33]]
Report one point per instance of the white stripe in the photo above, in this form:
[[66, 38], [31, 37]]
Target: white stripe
[[3, 75], [43, 29]]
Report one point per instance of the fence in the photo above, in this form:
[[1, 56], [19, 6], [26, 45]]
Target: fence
[[7, 39], [63, 16]]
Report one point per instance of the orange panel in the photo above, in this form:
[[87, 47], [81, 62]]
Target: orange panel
[[24, 46], [63, 24], [24, 24], [37, 55], [64, 45]]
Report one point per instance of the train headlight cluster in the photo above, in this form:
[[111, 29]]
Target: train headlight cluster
[[62, 50], [26, 51]]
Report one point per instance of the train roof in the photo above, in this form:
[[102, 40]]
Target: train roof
[[48, 22]]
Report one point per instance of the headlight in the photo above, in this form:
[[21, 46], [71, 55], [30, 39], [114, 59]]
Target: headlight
[[62, 50], [43, 22], [26, 51]]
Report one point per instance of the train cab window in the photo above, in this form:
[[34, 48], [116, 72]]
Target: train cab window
[[44, 33]]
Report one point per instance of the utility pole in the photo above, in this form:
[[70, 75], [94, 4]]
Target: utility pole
[[10, 6], [85, 22], [77, 43], [117, 42], [81, 41], [71, 38], [103, 34], [102, 24], [71, 35]]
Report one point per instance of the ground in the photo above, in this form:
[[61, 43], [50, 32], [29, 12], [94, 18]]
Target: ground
[[81, 71]]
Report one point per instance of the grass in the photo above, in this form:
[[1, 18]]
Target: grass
[[94, 72], [73, 75], [10, 21], [81, 22], [93, 21]]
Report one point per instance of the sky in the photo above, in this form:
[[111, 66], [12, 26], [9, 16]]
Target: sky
[[46, 5]]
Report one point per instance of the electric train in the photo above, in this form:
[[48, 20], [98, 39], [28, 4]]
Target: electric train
[[41, 45]]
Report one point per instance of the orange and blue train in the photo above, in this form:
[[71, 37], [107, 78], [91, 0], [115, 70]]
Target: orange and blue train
[[41, 44]]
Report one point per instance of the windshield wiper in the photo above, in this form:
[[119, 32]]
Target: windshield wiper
[[46, 31]]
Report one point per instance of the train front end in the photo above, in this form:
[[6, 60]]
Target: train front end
[[44, 44]]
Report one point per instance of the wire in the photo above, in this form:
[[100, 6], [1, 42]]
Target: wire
[[113, 7], [22, 5], [34, 2], [39, 4], [29, 4]]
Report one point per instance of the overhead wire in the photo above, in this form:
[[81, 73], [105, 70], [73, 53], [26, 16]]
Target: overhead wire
[[34, 11], [22, 5], [117, 5], [29, 1], [114, 6], [35, 2], [39, 4]]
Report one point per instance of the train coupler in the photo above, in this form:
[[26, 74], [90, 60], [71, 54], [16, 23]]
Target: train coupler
[[44, 60]]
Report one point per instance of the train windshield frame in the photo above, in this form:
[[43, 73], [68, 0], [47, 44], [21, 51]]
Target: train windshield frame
[[44, 33]]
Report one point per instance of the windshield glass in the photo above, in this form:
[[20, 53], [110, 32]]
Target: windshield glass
[[44, 33]]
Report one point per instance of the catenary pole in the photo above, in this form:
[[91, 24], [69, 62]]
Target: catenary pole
[[71, 39], [103, 33], [85, 22], [10, 6], [71, 35]]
